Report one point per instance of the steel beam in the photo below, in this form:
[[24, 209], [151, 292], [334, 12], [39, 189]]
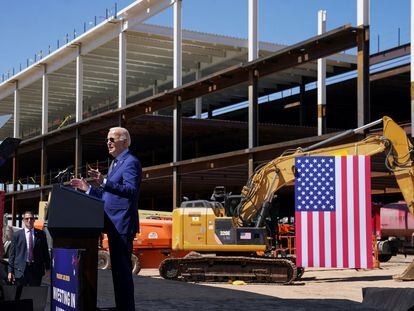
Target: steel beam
[[321, 83]]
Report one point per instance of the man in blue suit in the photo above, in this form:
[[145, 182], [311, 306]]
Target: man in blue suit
[[120, 191]]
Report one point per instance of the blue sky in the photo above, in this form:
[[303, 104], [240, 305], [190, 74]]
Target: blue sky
[[28, 26]]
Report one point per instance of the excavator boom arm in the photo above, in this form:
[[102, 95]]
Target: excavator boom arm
[[268, 179]]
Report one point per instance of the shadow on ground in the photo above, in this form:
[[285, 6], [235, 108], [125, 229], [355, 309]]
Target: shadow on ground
[[159, 294]]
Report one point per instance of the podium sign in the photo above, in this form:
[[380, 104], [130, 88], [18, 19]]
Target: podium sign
[[65, 282], [75, 222]]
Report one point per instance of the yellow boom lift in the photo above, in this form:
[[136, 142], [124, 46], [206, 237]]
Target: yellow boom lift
[[228, 247]]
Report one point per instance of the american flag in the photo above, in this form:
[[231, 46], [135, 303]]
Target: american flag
[[333, 211]]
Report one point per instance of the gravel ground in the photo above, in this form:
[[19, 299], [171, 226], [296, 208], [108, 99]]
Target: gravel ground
[[319, 289], [328, 289]]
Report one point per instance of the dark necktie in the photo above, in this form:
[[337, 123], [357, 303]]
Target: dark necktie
[[30, 256], [113, 164]]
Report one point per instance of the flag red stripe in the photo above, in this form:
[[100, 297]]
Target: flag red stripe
[[321, 239], [310, 239], [344, 212], [298, 239], [333, 240], [370, 263], [356, 213]]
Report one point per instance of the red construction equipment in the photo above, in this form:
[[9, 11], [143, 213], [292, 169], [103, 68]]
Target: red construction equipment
[[150, 247]]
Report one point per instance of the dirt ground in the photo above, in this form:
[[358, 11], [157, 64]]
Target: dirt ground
[[320, 283]]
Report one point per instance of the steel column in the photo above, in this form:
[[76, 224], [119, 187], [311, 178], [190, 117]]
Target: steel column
[[253, 114], [177, 155], [43, 164], [364, 113], [177, 126], [177, 76], [302, 91], [14, 181], [198, 100], [177, 53], [122, 70], [16, 113], [253, 81], [45, 101], [78, 153], [155, 92], [79, 87], [253, 37], [321, 78]]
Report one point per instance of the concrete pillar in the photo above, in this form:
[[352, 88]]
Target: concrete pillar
[[321, 78], [122, 70], [45, 101], [16, 113]]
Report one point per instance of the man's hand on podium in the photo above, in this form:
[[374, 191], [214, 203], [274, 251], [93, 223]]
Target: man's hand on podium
[[79, 183]]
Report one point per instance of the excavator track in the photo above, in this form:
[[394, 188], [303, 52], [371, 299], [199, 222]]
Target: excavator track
[[229, 268]]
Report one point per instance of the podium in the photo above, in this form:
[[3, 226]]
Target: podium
[[75, 221]]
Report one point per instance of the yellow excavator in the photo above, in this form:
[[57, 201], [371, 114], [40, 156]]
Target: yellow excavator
[[239, 247]]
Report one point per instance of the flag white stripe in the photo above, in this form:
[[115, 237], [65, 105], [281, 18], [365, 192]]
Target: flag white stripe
[[305, 237], [315, 230], [350, 208], [338, 212], [327, 224], [362, 213]]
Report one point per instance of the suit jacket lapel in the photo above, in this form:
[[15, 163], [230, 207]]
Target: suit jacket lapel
[[118, 164], [23, 236]]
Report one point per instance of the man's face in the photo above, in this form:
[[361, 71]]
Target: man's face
[[28, 220], [115, 143]]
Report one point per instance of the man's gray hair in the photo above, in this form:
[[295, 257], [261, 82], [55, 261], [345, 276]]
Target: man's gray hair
[[123, 133]]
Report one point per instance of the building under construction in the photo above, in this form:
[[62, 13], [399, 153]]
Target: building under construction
[[203, 110]]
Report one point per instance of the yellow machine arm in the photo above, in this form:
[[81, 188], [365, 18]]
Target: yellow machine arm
[[268, 179]]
